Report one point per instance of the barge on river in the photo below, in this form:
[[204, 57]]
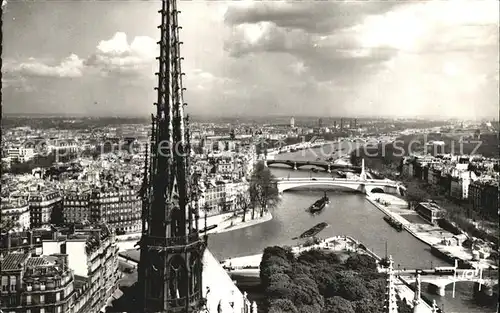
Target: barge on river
[[312, 231], [319, 205], [397, 225]]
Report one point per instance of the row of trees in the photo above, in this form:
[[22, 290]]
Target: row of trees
[[319, 281]]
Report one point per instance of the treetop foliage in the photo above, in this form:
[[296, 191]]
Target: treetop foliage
[[317, 281]]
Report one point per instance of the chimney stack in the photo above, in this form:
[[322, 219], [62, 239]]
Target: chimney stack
[[30, 238], [9, 243]]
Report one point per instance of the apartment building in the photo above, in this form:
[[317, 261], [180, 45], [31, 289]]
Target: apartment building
[[76, 206], [76, 273], [42, 284], [483, 195], [120, 208], [459, 184], [17, 211], [20, 153], [23, 242], [45, 205]]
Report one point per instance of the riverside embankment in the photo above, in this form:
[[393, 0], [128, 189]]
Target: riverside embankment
[[439, 239]]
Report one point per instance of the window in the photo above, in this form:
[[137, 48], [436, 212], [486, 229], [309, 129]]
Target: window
[[12, 283], [28, 299], [42, 300], [42, 310], [5, 283]]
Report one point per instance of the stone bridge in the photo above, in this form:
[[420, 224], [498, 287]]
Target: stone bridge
[[439, 282], [361, 185], [327, 166]]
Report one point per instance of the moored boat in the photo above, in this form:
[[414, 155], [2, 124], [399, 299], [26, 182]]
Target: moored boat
[[397, 225], [312, 231]]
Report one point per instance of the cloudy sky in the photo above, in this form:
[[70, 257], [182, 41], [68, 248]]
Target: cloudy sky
[[359, 58]]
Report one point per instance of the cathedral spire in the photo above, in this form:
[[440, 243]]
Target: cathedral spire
[[170, 269], [390, 302]]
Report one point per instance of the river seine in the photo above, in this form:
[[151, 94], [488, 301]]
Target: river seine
[[347, 214]]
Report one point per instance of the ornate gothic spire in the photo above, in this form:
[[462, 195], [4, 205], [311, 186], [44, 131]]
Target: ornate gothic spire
[[390, 302], [170, 269]]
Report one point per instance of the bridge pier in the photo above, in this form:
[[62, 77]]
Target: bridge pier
[[439, 290], [329, 170], [265, 163], [294, 166]]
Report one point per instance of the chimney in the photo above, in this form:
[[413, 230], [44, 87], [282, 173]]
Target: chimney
[[30, 238], [9, 243]]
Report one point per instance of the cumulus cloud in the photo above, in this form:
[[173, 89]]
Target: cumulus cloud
[[116, 55], [417, 55], [113, 56], [71, 67]]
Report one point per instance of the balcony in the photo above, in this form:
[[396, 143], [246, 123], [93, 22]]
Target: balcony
[[172, 241]]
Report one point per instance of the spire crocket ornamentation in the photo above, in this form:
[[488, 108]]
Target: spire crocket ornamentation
[[170, 269], [390, 301]]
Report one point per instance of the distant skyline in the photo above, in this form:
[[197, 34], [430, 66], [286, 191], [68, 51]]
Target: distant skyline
[[401, 59]]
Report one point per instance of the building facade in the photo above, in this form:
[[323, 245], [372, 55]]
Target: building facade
[[483, 195], [41, 284], [44, 207], [17, 211], [430, 212]]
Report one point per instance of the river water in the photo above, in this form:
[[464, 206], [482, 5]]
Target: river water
[[347, 214]]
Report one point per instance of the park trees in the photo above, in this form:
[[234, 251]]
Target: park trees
[[263, 189], [319, 281]]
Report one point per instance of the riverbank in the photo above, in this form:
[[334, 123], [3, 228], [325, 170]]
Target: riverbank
[[225, 222], [434, 236], [233, 221]]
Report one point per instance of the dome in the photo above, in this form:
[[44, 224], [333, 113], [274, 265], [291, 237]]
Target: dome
[[420, 308]]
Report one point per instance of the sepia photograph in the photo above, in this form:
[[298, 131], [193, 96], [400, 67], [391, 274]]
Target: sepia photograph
[[249, 156]]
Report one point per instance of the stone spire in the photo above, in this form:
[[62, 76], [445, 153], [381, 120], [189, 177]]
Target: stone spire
[[390, 302], [170, 267], [416, 299], [363, 172]]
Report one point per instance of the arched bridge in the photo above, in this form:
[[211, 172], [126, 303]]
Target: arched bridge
[[361, 185], [439, 282], [322, 164]]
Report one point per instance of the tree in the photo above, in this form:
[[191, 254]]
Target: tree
[[367, 305], [338, 305], [361, 262], [263, 189], [282, 306], [242, 203], [353, 288]]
